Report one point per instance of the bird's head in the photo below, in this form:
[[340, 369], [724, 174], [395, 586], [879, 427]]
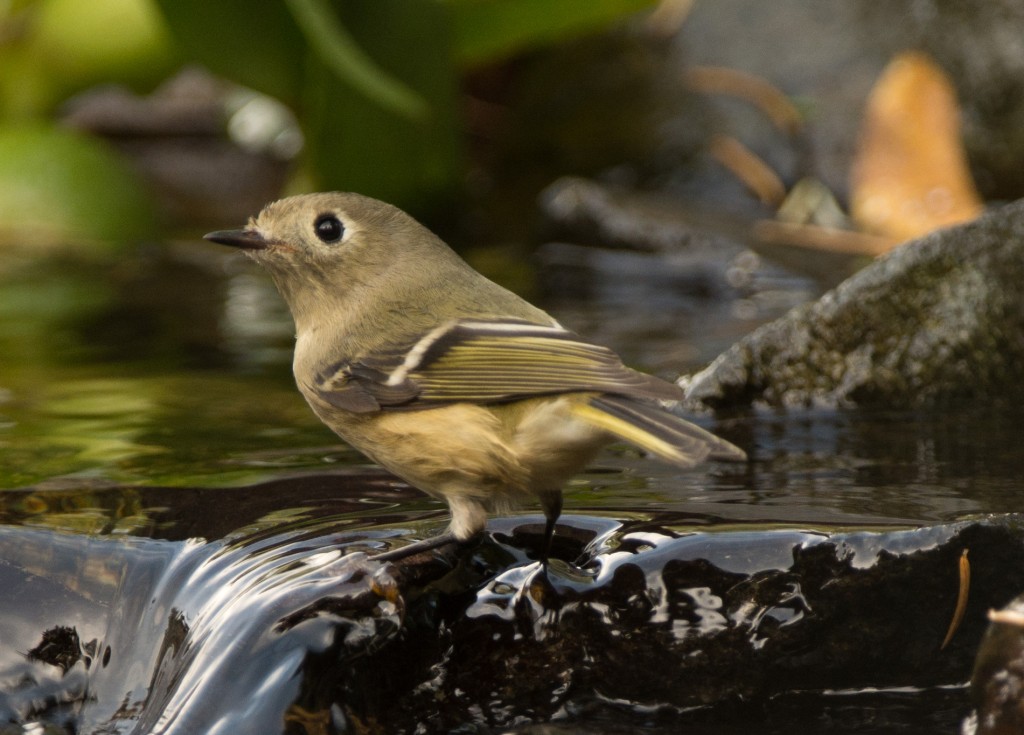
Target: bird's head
[[322, 229], [334, 251]]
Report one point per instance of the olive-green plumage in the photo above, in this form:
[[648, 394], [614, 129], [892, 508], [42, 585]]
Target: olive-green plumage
[[448, 380]]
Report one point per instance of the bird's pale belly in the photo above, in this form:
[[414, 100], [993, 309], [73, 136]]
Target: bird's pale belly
[[474, 457]]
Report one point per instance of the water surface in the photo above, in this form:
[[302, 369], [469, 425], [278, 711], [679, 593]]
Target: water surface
[[166, 494]]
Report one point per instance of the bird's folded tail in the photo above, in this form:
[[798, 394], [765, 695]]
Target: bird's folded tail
[[656, 430]]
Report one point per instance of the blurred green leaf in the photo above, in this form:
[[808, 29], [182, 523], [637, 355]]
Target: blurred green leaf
[[488, 29], [374, 82], [404, 150], [59, 187], [26, 88], [101, 42], [354, 144], [51, 49], [255, 44], [340, 53]]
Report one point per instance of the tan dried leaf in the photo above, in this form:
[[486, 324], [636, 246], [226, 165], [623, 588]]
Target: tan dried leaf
[[910, 175]]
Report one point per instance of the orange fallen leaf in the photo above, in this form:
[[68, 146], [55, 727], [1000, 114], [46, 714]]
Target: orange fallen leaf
[[910, 175]]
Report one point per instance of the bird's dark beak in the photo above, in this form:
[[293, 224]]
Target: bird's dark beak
[[245, 239]]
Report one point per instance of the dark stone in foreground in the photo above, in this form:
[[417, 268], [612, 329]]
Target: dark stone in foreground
[[940, 320], [290, 631], [657, 619]]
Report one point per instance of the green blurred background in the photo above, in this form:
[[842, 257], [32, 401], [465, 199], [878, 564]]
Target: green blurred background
[[329, 94]]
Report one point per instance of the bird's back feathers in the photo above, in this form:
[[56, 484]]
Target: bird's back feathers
[[484, 361]]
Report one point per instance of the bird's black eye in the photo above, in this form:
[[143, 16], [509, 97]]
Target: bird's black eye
[[328, 228]]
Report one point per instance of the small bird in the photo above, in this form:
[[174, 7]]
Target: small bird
[[448, 380]]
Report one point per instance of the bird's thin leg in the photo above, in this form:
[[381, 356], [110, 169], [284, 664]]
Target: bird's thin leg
[[551, 502]]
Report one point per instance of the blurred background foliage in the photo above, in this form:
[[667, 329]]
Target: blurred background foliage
[[373, 86]]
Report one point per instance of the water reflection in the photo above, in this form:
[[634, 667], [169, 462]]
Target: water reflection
[[228, 605], [191, 521]]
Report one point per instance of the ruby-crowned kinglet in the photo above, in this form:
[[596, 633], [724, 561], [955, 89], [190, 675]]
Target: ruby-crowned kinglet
[[451, 382]]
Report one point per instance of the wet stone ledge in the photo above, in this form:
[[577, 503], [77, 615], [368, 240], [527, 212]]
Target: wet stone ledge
[[296, 629], [656, 618], [938, 321]]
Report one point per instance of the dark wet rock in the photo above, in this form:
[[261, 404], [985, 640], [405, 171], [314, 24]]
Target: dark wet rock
[[642, 272], [940, 320], [658, 619], [177, 139], [715, 249], [997, 685], [584, 211], [288, 626]]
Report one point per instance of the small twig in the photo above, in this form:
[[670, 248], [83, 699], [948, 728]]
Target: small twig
[[961, 599], [749, 168], [822, 238], [759, 92]]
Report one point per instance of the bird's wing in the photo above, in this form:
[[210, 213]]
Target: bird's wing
[[662, 433], [484, 361]]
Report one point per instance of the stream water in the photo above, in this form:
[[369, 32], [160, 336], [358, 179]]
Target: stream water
[[190, 538]]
